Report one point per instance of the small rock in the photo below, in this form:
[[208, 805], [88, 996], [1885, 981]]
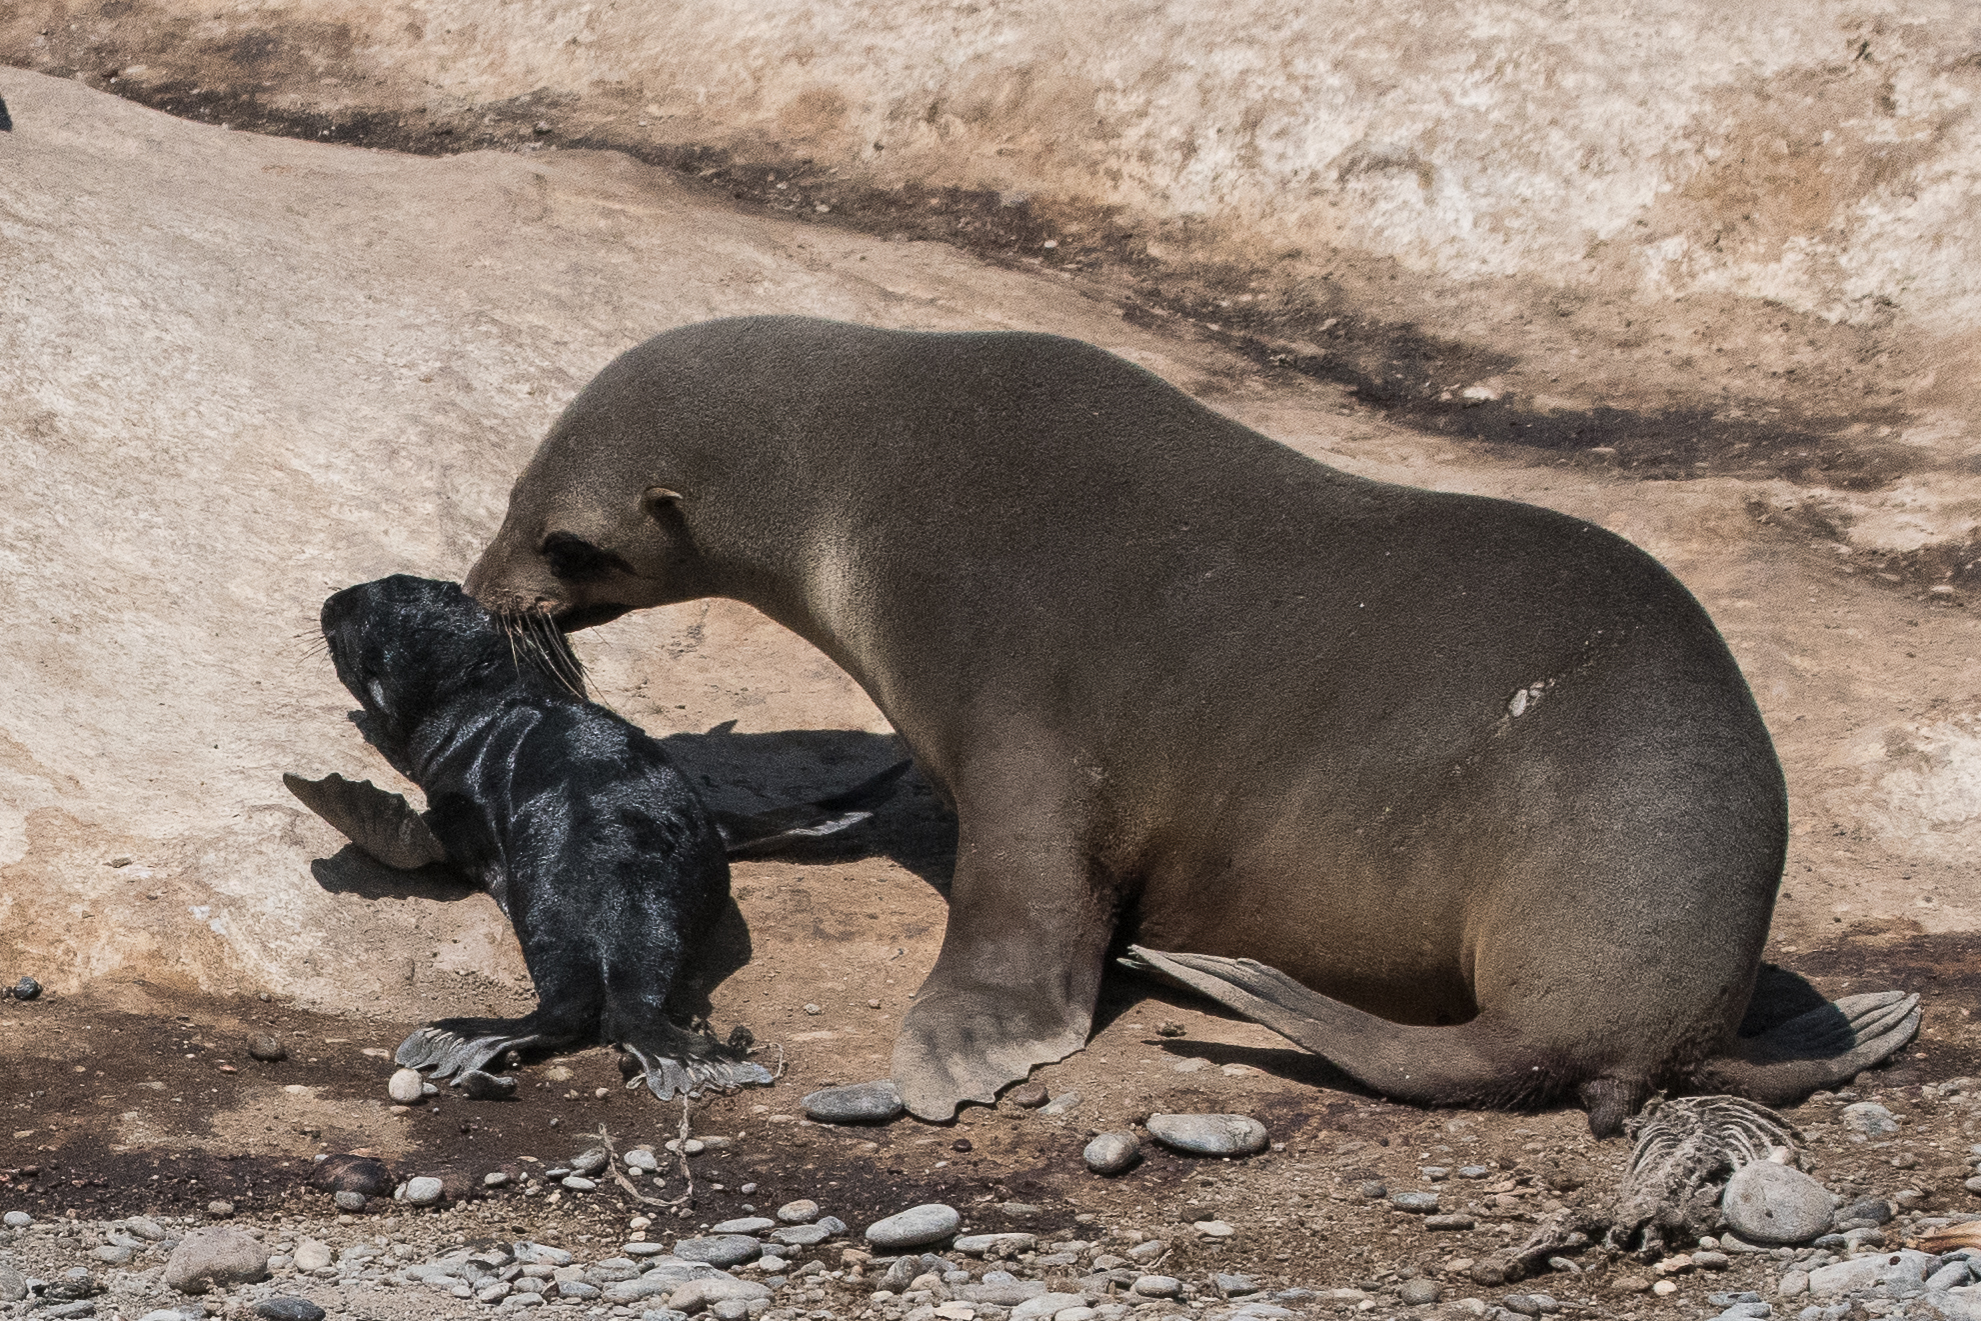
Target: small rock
[[916, 1226], [697, 1294], [1870, 1210], [1060, 1104], [17, 1219], [27, 988], [858, 1103], [1373, 1189], [1001, 1245], [1769, 1203], [406, 1087], [1449, 1222], [1794, 1284], [1530, 1304], [805, 1236], [591, 1162], [494, 1179], [1112, 1153], [801, 1212], [1631, 1284], [729, 1309], [220, 1208], [1473, 1171], [13, 1286], [1213, 1228], [1415, 1203], [814, 1010], [721, 1250], [312, 1255], [1209, 1135], [745, 1225], [1711, 1261], [1045, 1305], [578, 1183], [267, 1049], [1420, 1292], [1027, 1095], [222, 1255], [1234, 1286], [288, 1308], [350, 1201], [1158, 1286], [1870, 1119], [423, 1191], [641, 1159]]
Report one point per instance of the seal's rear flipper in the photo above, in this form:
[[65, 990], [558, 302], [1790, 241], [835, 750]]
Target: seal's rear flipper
[[382, 824], [758, 832], [669, 1059], [1820, 1048], [461, 1048]]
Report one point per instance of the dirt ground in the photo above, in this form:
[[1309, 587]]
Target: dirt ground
[[128, 1099]]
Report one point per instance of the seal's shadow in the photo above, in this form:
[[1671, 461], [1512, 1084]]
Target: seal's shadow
[[736, 773]]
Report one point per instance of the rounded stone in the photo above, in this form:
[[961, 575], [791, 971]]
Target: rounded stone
[[1769, 1203], [219, 1256], [719, 1250], [406, 1087], [1158, 1286], [578, 1183], [18, 1219], [494, 1179], [642, 1159], [744, 1225], [801, 1212], [27, 988], [1209, 1135], [1420, 1292], [1112, 1153], [915, 1226], [1870, 1119], [350, 1201], [1415, 1203], [423, 1191], [267, 1049], [591, 1161], [288, 1308], [859, 1103]]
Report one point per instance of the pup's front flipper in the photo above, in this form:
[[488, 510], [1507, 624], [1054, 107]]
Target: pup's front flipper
[[383, 824], [669, 1059], [462, 1048]]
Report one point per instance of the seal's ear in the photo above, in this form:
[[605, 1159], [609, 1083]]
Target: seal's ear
[[656, 499]]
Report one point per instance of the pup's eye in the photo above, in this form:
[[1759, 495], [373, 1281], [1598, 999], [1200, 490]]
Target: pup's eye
[[574, 559]]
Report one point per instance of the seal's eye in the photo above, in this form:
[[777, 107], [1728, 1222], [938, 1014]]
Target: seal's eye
[[573, 559]]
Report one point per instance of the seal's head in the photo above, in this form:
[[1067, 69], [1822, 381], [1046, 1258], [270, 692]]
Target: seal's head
[[405, 645]]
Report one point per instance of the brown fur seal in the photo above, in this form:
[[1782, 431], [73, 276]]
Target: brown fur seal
[[1466, 796]]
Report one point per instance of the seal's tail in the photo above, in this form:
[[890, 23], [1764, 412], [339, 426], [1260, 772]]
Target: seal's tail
[[759, 832]]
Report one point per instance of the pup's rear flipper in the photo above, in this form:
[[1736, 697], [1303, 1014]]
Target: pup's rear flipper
[[1820, 1048], [669, 1059], [382, 824], [760, 832]]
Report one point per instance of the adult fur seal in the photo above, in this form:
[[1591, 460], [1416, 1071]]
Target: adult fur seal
[[596, 848], [1478, 786]]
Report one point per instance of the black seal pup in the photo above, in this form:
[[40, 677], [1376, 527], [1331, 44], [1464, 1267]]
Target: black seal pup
[[1467, 796], [596, 848]]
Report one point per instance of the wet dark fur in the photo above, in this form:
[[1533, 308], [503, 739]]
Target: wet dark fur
[[594, 845]]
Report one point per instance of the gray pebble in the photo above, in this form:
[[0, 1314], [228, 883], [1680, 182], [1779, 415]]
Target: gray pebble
[[723, 1250], [218, 1256], [804, 1236], [27, 988], [1769, 1203], [1158, 1286], [1530, 1304], [915, 1226], [13, 1286], [268, 1049], [1870, 1210], [1415, 1203], [1420, 1292], [1448, 1222], [1234, 1286], [801, 1212], [17, 1219], [1870, 1119], [113, 1254], [1209, 1135], [1473, 1171], [350, 1201], [67, 1311], [1060, 1104], [494, 1179], [642, 1249], [730, 1309], [859, 1103], [423, 1191], [746, 1225], [640, 1158], [1112, 1153], [591, 1161], [578, 1183], [149, 1230], [288, 1308], [576, 1289], [1373, 1189], [406, 1087]]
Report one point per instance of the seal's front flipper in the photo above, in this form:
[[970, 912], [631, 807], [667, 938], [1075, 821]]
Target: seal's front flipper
[[383, 824], [1820, 1048], [760, 832], [669, 1059]]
